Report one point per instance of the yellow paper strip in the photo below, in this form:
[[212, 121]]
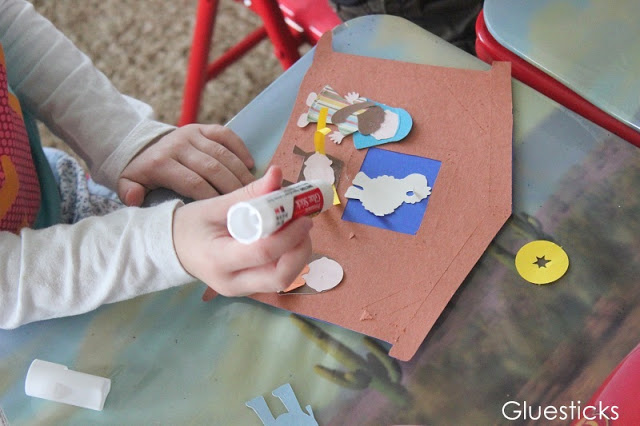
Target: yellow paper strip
[[318, 140], [322, 118]]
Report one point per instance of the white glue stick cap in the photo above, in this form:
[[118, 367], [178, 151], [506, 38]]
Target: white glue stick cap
[[57, 383], [251, 220], [246, 223]]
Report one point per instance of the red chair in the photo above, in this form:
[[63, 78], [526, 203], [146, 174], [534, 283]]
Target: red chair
[[288, 23], [616, 401], [488, 49]]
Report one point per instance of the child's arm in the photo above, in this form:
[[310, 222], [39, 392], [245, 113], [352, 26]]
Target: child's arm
[[70, 269], [63, 89], [188, 162]]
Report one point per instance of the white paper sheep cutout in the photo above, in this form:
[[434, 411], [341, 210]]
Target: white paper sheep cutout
[[382, 195]]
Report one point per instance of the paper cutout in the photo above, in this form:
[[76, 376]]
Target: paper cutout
[[383, 194], [318, 140], [392, 116], [322, 119], [321, 131], [330, 99], [372, 123], [541, 262], [302, 120], [294, 415], [321, 274], [336, 137], [298, 282], [388, 128], [319, 166], [408, 217], [369, 116], [352, 97], [462, 126], [324, 274]]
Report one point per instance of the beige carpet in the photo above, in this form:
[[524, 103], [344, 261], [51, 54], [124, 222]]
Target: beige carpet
[[143, 47]]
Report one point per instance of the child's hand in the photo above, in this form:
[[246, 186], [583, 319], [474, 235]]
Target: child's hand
[[197, 161], [209, 253]]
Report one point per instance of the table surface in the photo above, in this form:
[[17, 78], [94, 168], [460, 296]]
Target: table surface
[[173, 359], [592, 47]]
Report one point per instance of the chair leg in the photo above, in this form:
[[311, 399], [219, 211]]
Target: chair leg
[[235, 53], [198, 60], [284, 43]]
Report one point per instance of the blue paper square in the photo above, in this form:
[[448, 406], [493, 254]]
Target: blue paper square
[[408, 217]]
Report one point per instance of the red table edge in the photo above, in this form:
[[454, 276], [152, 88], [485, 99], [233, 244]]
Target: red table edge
[[489, 50]]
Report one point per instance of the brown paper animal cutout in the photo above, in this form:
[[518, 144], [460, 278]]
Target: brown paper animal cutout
[[396, 285]]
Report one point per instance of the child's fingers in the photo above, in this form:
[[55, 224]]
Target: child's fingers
[[131, 193], [224, 156], [229, 139], [268, 250], [292, 262], [185, 181], [274, 277], [271, 181], [211, 170]]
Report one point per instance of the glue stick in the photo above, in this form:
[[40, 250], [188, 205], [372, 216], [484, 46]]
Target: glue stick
[[249, 221]]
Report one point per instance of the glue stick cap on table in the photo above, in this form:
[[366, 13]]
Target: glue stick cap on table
[[57, 383], [248, 221]]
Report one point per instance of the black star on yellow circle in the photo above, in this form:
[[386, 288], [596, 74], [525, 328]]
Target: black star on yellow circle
[[551, 262], [541, 262]]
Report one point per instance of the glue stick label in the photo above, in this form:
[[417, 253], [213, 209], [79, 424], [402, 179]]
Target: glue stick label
[[248, 221], [297, 200], [307, 203]]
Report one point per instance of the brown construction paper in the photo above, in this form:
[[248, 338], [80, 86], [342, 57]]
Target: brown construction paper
[[396, 285]]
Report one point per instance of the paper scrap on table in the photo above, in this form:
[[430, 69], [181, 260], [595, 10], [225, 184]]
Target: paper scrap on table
[[541, 262], [294, 416], [382, 195]]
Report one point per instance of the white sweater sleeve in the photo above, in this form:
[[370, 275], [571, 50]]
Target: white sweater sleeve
[[70, 269], [62, 88]]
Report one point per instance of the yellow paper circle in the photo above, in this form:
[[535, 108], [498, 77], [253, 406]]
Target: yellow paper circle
[[541, 262]]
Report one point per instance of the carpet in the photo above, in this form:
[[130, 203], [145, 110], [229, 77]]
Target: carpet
[[143, 47]]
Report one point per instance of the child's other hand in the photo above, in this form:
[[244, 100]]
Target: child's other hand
[[209, 253], [197, 161]]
